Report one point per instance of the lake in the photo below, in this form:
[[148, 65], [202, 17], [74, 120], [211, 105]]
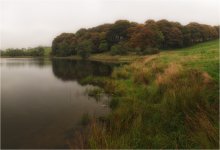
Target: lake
[[42, 100]]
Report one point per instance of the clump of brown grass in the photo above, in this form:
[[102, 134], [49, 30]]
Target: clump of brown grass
[[120, 73], [93, 135], [157, 68], [142, 76], [78, 140], [136, 66], [109, 86], [206, 78], [169, 74], [97, 135], [149, 58]]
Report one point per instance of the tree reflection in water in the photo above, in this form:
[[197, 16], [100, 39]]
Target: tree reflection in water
[[79, 69]]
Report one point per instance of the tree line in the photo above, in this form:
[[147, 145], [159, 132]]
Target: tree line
[[13, 52], [123, 36]]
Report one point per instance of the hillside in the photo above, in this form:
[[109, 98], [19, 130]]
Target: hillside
[[204, 57], [166, 100]]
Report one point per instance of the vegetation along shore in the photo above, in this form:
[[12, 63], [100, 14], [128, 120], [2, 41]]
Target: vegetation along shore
[[167, 100]]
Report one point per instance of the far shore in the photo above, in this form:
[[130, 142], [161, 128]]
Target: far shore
[[93, 57]]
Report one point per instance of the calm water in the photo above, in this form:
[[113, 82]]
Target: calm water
[[43, 100]]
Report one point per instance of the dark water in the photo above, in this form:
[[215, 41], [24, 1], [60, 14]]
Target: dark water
[[42, 100]]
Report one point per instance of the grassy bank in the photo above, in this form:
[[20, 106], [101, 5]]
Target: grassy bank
[[168, 100], [107, 57]]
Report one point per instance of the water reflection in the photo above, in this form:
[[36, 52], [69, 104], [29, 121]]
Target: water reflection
[[21, 62], [37, 108], [79, 69]]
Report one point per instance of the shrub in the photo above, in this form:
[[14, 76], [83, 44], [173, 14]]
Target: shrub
[[118, 49], [147, 51]]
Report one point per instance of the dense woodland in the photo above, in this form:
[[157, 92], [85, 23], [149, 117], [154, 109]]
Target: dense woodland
[[123, 36], [15, 52]]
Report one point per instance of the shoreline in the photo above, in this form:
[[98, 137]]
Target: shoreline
[[94, 57]]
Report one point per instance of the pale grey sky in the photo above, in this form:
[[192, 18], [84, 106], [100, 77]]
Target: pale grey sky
[[30, 23]]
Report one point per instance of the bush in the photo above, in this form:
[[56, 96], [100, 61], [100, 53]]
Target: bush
[[118, 49], [147, 51]]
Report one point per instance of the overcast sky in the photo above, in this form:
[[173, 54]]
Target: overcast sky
[[30, 23]]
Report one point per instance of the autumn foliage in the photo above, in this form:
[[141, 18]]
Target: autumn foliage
[[140, 38]]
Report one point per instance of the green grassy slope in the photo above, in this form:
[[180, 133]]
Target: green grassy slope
[[168, 100], [204, 56]]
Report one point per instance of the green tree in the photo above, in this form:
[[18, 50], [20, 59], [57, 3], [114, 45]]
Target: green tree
[[103, 47], [175, 38], [64, 49], [186, 36], [196, 35], [118, 32], [84, 48], [172, 32], [38, 51], [64, 45], [144, 36]]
